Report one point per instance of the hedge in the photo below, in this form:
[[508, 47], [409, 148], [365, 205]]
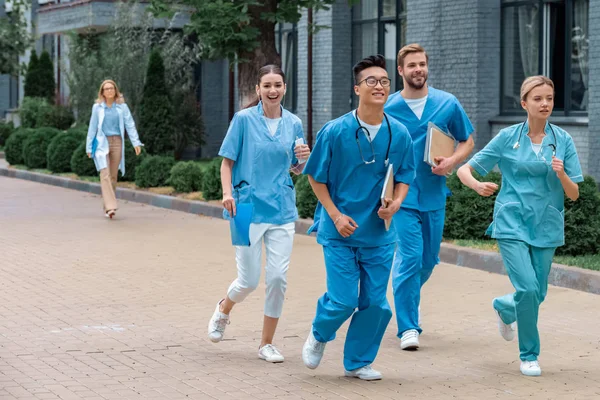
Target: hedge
[[186, 177], [61, 149], [154, 171], [14, 146], [6, 129], [306, 201], [81, 164], [36, 145], [211, 183]]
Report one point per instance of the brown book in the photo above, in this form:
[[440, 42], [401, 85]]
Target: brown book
[[437, 144]]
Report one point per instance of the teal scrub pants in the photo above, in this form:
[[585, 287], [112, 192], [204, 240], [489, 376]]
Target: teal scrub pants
[[417, 253], [357, 277], [528, 268]]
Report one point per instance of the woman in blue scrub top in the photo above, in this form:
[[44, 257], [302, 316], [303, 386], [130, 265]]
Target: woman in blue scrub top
[[539, 165], [105, 139], [258, 151]]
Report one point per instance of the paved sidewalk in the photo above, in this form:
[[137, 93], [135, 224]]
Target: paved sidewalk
[[98, 309]]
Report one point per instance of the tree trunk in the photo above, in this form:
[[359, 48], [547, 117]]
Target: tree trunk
[[265, 53]]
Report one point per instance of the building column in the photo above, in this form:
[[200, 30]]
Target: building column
[[593, 161]]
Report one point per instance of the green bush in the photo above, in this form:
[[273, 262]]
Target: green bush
[[468, 214], [211, 182], [61, 149], [80, 130], [81, 164], [14, 146], [35, 112], [32, 79], [306, 201], [154, 171], [186, 177], [61, 117], [582, 221], [6, 129], [35, 148], [131, 162]]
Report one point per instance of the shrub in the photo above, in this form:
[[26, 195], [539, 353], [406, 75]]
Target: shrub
[[306, 201], [156, 110], [36, 145], [60, 151], [35, 112], [14, 146], [6, 129], [582, 221], [468, 214], [79, 130], [131, 162], [211, 183], [61, 118], [81, 164], [46, 85], [154, 171], [32, 76], [186, 177]]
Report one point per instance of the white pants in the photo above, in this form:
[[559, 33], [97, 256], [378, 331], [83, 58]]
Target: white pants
[[279, 240]]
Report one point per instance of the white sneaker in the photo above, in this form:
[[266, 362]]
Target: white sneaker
[[531, 368], [312, 351], [217, 324], [507, 331], [410, 340], [365, 373], [269, 353]]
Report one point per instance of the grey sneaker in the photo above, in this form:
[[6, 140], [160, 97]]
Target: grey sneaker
[[312, 352], [217, 324], [269, 353], [365, 373]]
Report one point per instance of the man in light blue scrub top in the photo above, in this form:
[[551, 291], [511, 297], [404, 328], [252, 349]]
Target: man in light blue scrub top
[[347, 170], [420, 222], [539, 165]]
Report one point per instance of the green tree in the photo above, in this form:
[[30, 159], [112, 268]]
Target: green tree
[[47, 84], [242, 31], [15, 38], [156, 109], [32, 76]]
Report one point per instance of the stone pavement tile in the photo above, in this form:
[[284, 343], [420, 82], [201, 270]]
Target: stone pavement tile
[[130, 322]]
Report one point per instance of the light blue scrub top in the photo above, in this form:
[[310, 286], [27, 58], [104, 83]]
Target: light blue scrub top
[[428, 192], [110, 125], [355, 187], [261, 172], [530, 204]]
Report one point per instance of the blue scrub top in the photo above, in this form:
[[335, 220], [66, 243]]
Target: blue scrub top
[[429, 191], [530, 204], [110, 125], [261, 172], [355, 187]]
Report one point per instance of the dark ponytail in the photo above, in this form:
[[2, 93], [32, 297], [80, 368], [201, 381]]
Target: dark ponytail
[[267, 69]]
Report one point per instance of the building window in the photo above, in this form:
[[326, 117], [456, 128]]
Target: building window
[[547, 37], [287, 46], [379, 27]]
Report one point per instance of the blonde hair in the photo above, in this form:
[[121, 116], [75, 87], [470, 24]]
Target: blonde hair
[[532, 82], [119, 99], [410, 49]]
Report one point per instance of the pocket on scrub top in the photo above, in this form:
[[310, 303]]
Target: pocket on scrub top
[[509, 218]]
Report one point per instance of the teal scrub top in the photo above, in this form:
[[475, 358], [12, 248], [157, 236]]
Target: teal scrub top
[[355, 187], [530, 204], [428, 192], [261, 172]]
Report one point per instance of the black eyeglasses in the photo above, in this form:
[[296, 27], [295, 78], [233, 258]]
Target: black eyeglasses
[[371, 81]]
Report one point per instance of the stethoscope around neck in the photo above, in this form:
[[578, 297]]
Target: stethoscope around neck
[[368, 135], [551, 145]]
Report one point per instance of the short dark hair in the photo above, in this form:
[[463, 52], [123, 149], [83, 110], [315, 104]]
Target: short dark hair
[[371, 61]]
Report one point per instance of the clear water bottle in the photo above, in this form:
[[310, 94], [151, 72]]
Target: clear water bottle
[[300, 141]]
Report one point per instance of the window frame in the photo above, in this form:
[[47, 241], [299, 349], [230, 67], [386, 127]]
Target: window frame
[[542, 57], [280, 32], [398, 19]]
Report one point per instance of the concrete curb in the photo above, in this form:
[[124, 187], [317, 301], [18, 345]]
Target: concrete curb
[[560, 275]]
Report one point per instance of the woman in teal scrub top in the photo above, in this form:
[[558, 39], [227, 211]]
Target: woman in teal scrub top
[[539, 165]]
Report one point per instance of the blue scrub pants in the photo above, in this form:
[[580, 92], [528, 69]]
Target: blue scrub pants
[[349, 268], [528, 268], [417, 253]]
